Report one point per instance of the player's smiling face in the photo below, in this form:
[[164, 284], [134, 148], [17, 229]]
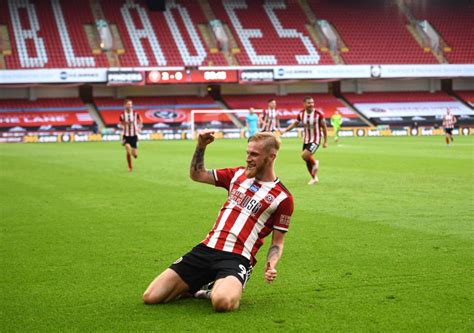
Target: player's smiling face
[[257, 159], [309, 105]]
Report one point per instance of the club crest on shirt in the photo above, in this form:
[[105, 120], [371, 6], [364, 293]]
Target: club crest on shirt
[[254, 188], [269, 198]]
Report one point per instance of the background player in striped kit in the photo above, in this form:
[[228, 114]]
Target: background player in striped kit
[[314, 127], [257, 204], [270, 117], [448, 123], [131, 123]]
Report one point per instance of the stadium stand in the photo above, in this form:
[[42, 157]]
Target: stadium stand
[[56, 38], [290, 105], [18, 115], [398, 97], [167, 112], [262, 28], [75, 18], [196, 17], [374, 31], [168, 38], [53, 34], [453, 21], [408, 108], [467, 96]]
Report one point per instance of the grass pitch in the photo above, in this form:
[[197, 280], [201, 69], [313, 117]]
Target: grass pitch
[[383, 243]]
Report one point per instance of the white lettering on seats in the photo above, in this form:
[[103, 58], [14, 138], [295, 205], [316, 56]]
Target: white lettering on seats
[[188, 59], [21, 34], [72, 60], [246, 34], [137, 34], [313, 56]]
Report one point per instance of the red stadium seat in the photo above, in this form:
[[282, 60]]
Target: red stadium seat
[[270, 48], [467, 96], [267, 33], [59, 113], [453, 21], [166, 110], [398, 97], [289, 106], [374, 32]]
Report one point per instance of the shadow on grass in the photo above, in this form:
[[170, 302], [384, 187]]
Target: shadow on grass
[[184, 306]]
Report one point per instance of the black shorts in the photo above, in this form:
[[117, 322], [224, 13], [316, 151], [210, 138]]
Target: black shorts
[[203, 265], [449, 131], [131, 140], [311, 147]]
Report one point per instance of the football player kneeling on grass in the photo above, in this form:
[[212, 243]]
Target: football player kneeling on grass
[[257, 204]]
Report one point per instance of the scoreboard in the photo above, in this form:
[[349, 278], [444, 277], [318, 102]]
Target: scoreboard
[[192, 76]]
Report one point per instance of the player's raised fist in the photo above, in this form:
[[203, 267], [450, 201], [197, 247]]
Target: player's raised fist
[[205, 137]]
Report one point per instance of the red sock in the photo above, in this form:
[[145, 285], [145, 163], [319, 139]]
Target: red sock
[[129, 160]]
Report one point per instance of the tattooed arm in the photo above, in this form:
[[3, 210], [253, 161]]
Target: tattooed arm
[[198, 171], [274, 254]]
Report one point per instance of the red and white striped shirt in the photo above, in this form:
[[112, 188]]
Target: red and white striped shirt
[[130, 121], [449, 120], [312, 131], [270, 120], [252, 211]]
